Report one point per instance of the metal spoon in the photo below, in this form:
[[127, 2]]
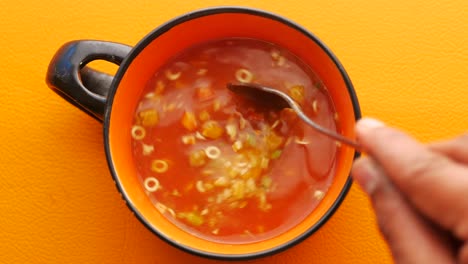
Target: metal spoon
[[277, 99]]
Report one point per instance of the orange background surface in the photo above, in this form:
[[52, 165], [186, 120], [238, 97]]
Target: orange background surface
[[407, 59]]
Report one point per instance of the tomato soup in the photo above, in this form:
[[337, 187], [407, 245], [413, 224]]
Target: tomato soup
[[223, 168]]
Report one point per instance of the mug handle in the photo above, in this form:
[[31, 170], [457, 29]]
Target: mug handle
[[82, 86]]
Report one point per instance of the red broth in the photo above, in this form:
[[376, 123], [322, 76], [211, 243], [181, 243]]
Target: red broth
[[220, 167]]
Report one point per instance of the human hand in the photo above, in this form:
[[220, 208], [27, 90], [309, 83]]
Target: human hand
[[419, 193]]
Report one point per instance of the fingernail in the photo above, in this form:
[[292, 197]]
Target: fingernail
[[366, 173], [368, 123]]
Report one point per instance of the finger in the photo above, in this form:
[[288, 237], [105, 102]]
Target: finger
[[463, 255], [455, 148], [433, 183], [401, 226]]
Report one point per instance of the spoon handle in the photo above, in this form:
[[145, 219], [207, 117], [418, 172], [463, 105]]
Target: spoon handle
[[327, 132]]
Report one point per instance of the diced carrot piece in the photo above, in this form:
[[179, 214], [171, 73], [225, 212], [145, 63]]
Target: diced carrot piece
[[160, 86], [149, 117], [189, 121], [274, 141], [297, 93], [212, 129], [204, 115], [197, 158], [216, 105], [188, 139], [204, 93]]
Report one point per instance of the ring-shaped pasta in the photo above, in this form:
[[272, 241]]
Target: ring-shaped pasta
[[159, 166], [138, 132], [212, 152], [151, 184], [244, 75], [173, 75]]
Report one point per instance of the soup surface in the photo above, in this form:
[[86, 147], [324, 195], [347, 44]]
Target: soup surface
[[219, 166]]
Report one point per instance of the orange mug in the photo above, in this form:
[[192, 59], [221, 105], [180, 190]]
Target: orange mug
[[113, 100]]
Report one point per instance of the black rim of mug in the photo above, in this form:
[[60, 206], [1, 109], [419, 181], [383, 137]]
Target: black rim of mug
[[161, 30]]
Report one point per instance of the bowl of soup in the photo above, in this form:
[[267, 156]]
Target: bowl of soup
[[204, 169]]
